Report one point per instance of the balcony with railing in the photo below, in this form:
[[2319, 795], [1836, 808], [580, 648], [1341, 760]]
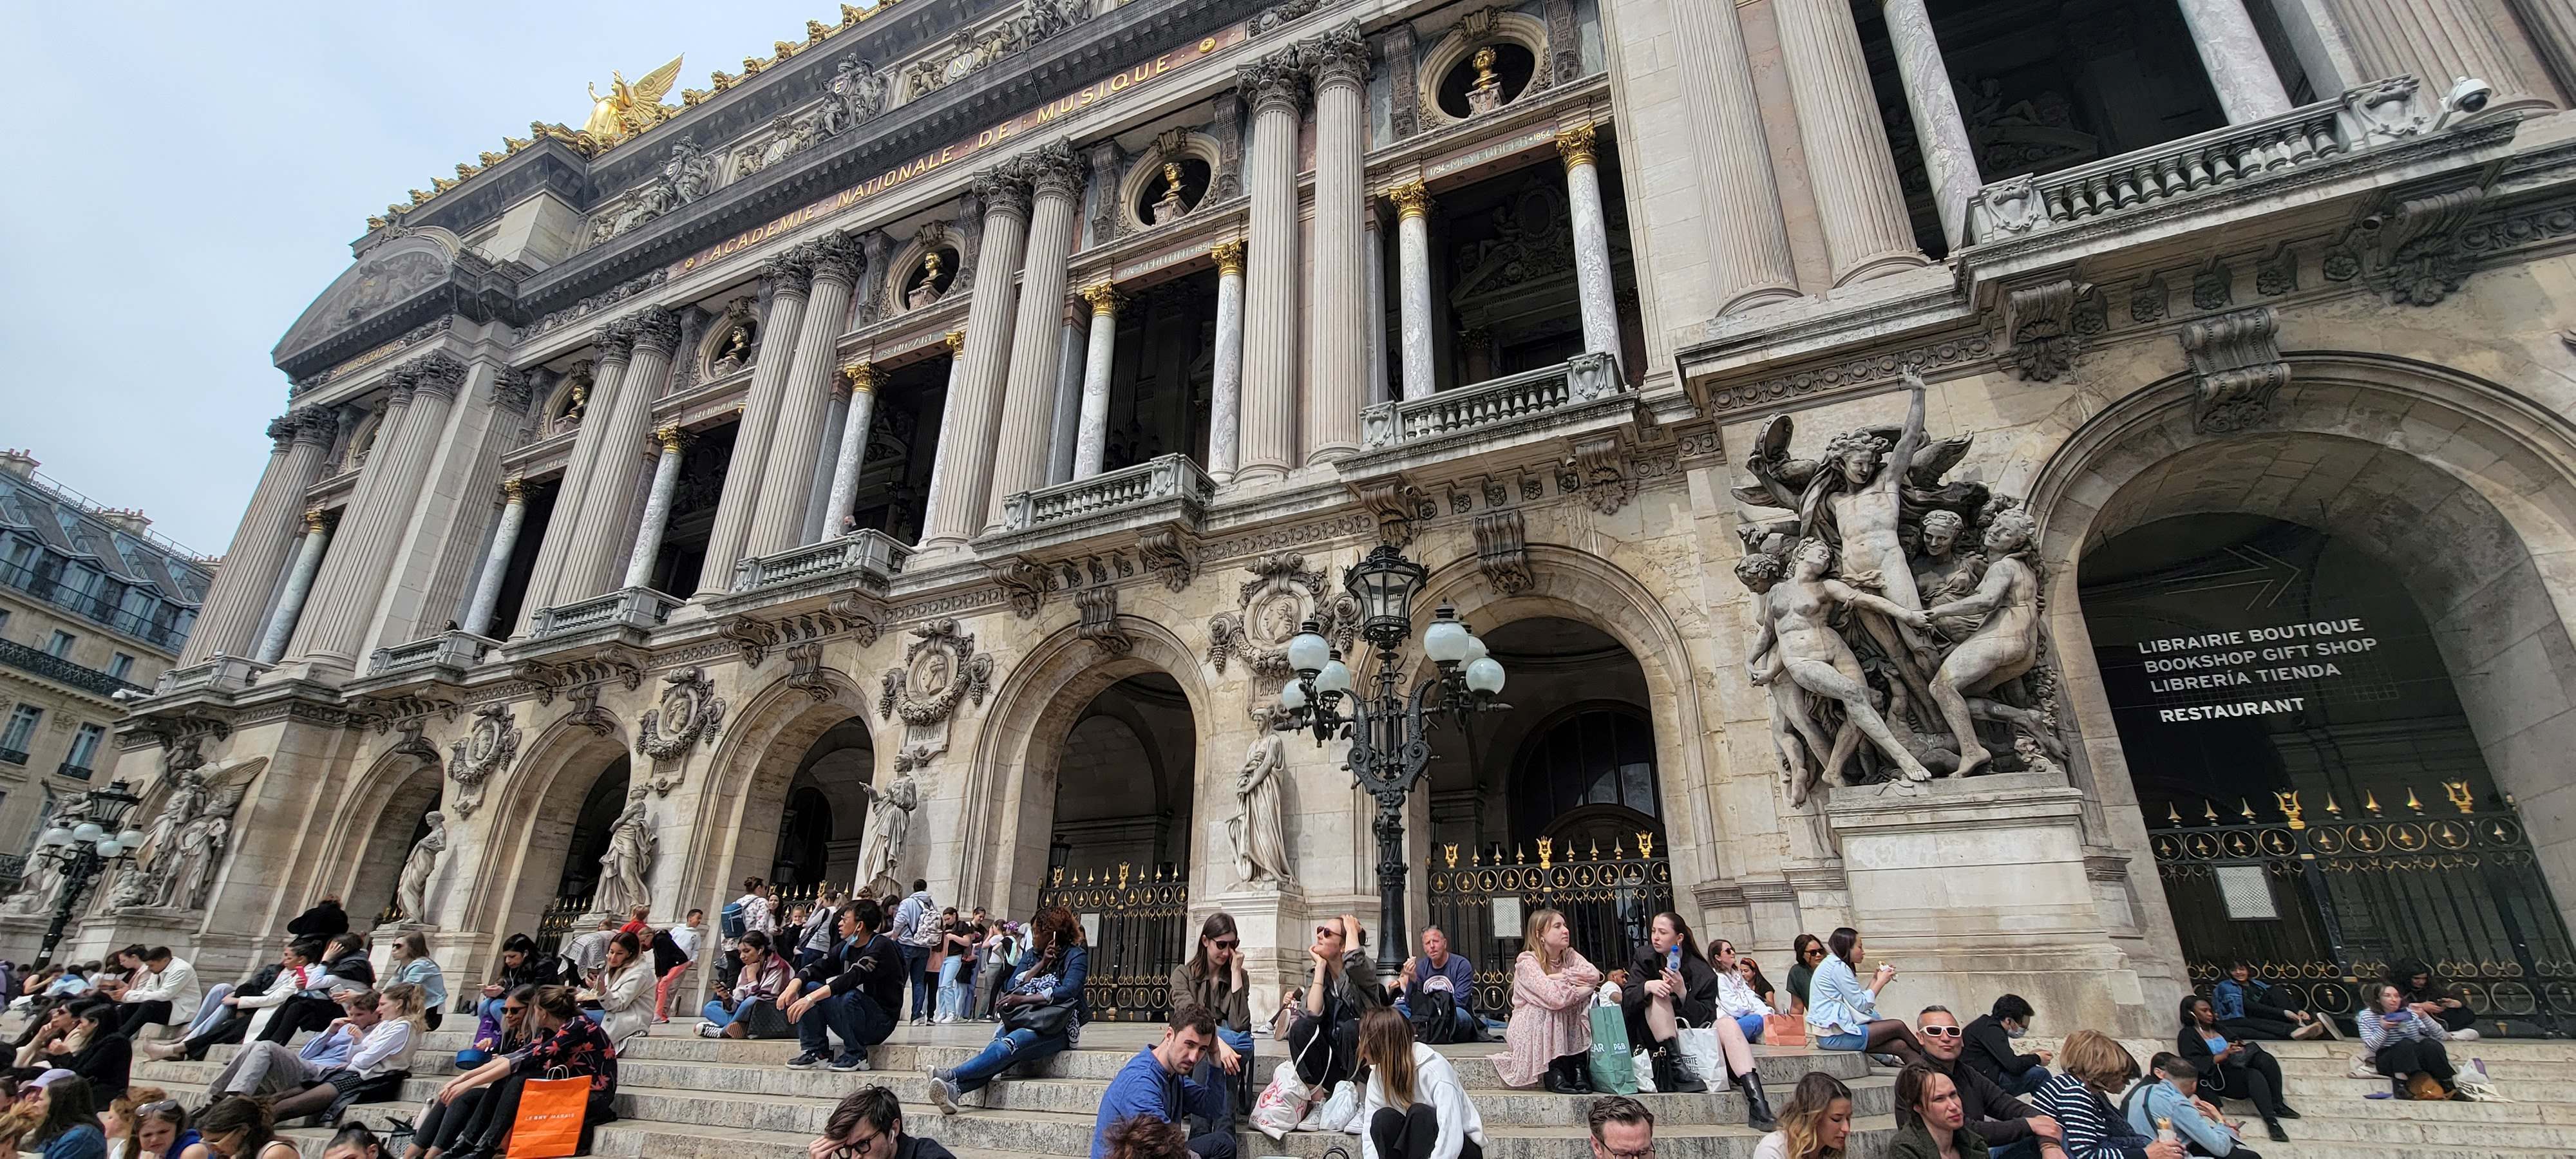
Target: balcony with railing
[[863, 559], [447, 651], [1497, 412], [91, 607], [219, 674], [642, 609], [37, 662], [76, 772], [13, 756], [1164, 494]]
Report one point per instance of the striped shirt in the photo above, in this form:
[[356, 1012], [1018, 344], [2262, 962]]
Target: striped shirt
[[2093, 1128]]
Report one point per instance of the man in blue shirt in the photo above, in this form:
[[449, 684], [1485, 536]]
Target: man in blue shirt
[[1151, 1086], [1438, 969]]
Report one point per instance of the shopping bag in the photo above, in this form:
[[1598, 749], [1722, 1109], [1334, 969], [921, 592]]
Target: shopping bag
[[1340, 1112], [1644, 1065], [1281, 1104], [1783, 1030], [1702, 1056], [549, 1122], [1613, 1072]]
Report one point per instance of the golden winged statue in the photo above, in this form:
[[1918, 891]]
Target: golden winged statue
[[629, 109]]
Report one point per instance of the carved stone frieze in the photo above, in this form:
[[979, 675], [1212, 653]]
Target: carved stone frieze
[[940, 670], [552, 680], [1502, 550], [487, 750], [2237, 359], [409, 710], [1269, 608], [850, 614]]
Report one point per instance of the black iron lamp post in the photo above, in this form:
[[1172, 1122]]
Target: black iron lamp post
[[84, 851], [1389, 732]]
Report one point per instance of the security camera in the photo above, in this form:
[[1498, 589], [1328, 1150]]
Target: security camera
[[123, 695], [2468, 95]]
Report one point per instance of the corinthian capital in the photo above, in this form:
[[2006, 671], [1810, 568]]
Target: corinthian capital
[[615, 339], [1054, 171], [655, 329], [436, 373], [1004, 189], [1339, 56], [786, 273], [839, 257], [1273, 80], [281, 430], [512, 388], [316, 426]]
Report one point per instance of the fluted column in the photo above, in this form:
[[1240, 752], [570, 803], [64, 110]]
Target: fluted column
[[864, 378], [1949, 158], [657, 507], [1374, 258], [1850, 167], [1413, 288], [229, 621], [602, 523], [788, 279], [1748, 239], [2439, 41], [2552, 24], [299, 584], [2249, 88], [818, 490], [496, 562], [1091, 437], [1336, 301], [1028, 404], [1226, 409], [962, 477], [1591, 240], [1274, 87], [353, 577], [615, 342], [778, 523], [940, 464]]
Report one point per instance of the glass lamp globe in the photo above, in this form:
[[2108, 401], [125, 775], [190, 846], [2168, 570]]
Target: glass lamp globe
[[57, 836], [110, 847], [1485, 675], [1445, 641], [1308, 652], [1476, 648], [1336, 677], [131, 839], [1292, 696], [87, 832]]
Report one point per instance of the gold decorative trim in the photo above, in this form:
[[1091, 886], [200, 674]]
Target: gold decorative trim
[[1412, 200]]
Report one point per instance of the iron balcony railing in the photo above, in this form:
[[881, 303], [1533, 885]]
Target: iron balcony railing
[[13, 756], [39, 662], [90, 607], [78, 772]]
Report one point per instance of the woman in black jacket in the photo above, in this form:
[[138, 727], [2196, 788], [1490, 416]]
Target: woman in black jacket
[[105, 1058], [1669, 982], [2235, 1070]]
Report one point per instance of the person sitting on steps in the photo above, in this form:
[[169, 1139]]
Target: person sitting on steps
[[1990, 1047], [1842, 1014], [1415, 1107], [2406, 1045], [2232, 1069], [2246, 1010], [2170, 1095], [2433, 1000], [1550, 1035], [2007, 1125]]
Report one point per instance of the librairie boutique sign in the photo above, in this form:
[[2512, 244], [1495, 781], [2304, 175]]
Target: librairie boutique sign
[[2278, 666]]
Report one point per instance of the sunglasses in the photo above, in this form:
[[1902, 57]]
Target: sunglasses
[[1226, 943], [1940, 1031]]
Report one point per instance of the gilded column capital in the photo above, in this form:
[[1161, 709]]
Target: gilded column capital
[[671, 437], [956, 340], [514, 489], [1411, 200], [1338, 57], [1229, 258], [864, 377], [1273, 81], [656, 329], [1575, 145], [1004, 190], [1104, 299], [1054, 171], [315, 519]]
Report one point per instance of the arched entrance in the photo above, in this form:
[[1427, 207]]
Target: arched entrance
[[2338, 686], [1119, 844], [823, 823]]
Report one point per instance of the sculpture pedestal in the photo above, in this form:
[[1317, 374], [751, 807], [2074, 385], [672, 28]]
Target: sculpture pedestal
[[216, 955], [1272, 924], [1977, 888], [21, 934]]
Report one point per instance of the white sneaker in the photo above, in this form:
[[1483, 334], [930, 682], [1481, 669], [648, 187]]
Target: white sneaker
[[944, 1095], [710, 1030], [2468, 1035]]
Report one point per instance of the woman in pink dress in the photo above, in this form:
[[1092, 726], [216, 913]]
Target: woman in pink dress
[[1550, 1033]]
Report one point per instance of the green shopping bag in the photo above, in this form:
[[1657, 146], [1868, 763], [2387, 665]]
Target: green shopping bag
[[1614, 1072]]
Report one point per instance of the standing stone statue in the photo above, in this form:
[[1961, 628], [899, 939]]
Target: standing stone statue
[[626, 870], [411, 892], [1258, 827], [201, 851], [1796, 619], [889, 825], [2004, 645]]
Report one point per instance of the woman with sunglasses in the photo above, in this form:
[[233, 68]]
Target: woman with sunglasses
[[1214, 980], [1842, 1013], [1810, 952]]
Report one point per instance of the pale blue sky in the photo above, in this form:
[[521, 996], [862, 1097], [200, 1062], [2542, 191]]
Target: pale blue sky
[[185, 178]]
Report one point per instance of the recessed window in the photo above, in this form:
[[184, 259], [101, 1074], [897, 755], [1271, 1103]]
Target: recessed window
[[1177, 187], [84, 754], [60, 647], [20, 733], [1489, 78], [120, 665]]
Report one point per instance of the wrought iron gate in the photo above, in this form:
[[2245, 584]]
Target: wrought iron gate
[[1608, 901], [1138, 927], [554, 925], [2323, 907]]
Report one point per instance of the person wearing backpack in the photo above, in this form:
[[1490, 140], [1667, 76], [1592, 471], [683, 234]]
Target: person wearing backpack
[[743, 915], [1439, 978], [917, 929]]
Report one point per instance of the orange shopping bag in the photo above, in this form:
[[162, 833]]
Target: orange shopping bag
[[1777, 1030], [549, 1122]]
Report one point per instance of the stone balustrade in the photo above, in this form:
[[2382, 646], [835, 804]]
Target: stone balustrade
[[869, 558], [641, 608], [1579, 379], [2366, 118], [456, 651], [1165, 477], [217, 674]]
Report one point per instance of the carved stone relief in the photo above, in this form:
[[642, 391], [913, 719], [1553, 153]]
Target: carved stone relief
[[487, 750], [690, 713]]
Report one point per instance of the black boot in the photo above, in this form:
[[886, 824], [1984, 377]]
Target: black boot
[[1684, 1082], [1757, 1109], [1578, 1068], [1558, 1083]]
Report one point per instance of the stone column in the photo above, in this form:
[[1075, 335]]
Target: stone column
[[1070, 357], [1379, 386], [1850, 167], [496, 563], [602, 522], [2439, 41], [864, 378], [2552, 24], [1226, 409], [1336, 321], [1091, 437], [1028, 403], [1273, 86], [1949, 158], [299, 584], [657, 508], [956, 340], [353, 577], [788, 280], [779, 522], [818, 490], [1591, 240], [1413, 289], [2239, 68], [1748, 239], [615, 342], [963, 475], [229, 622]]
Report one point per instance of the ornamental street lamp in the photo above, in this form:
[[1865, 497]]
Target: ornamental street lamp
[[80, 853], [1389, 733]]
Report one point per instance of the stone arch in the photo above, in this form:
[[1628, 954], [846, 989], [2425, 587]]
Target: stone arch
[[1143, 171], [1011, 776], [895, 278], [1576, 585], [1447, 53], [528, 826], [2398, 456], [370, 833], [733, 827]]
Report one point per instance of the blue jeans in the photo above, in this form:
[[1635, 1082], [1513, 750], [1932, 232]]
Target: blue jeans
[[1840, 1041], [854, 1016], [952, 993], [1211, 1074], [2018, 1149], [916, 966], [1751, 1025], [2027, 1082], [716, 1013], [213, 1011], [1008, 1049]]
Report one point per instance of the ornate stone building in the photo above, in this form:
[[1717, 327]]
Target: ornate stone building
[[911, 454]]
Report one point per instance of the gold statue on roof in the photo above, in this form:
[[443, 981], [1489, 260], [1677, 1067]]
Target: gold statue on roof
[[629, 109]]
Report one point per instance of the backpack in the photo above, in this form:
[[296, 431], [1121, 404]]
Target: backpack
[[1435, 1017], [732, 924]]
